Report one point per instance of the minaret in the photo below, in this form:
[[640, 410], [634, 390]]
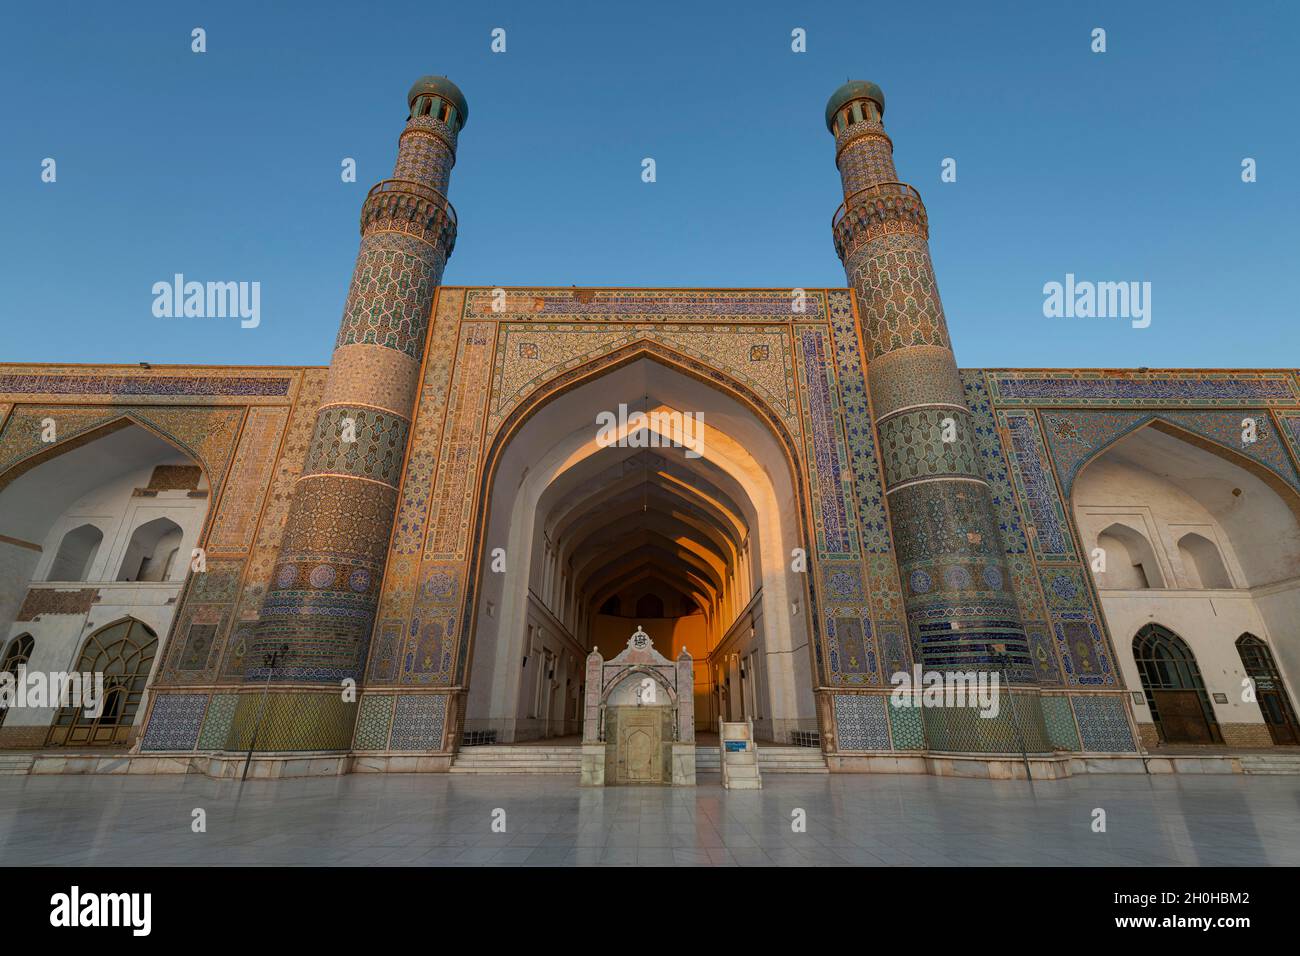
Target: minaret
[[962, 613], [324, 589]]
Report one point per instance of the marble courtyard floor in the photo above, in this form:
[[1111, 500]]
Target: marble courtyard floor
[[441, 819]]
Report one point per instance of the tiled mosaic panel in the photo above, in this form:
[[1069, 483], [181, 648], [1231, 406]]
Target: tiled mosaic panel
[[373, 722], [898, 297], [1081, 643], [529, 353], [1037, 486], [200, 385], [912, 446], [867, 485], [1097, 388], [828, 477], [198, 631], [1059, 718], [1103, 725], [392, 293], [292, 721], [418, 722], [1020, 564], [642, 305], [860, 722], [206, 434], [216, 727], [374, 447], [1075, 436], [250, 479], [966, 730], [174, 722], [907, 727]]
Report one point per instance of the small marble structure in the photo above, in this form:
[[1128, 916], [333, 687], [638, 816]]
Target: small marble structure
[[639, 722]]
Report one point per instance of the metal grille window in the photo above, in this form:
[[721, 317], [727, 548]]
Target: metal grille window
[[1166, 663]]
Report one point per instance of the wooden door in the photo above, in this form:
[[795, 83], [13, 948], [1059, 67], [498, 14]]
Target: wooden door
[[1277, 714], [640, 753], [1182, 719]]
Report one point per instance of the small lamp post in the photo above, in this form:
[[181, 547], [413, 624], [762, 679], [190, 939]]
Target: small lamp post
[[271, 659], [1003, 659]]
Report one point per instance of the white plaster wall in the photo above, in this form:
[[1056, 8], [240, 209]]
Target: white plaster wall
[[16, 567], [113, 509], [59, 637], [1166, 488], [1209, 621]]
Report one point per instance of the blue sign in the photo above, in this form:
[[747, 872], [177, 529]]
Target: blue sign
[[735, 746]]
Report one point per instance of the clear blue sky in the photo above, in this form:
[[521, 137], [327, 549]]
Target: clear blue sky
[[225, 165]]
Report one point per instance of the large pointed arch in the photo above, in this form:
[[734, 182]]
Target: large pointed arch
[[586, 522], [567, 381]]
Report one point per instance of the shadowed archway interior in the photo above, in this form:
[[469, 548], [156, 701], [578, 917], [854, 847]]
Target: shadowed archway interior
[[673, 517]]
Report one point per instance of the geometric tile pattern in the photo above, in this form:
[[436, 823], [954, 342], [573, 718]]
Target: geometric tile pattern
[[907, 728], [292, 721], [1037, 487], [1059, 719], [1097, 389], [913, 445], [175, 721], [418, 722], [373, 722], [1102, 724], [216, 726], [860, 722]]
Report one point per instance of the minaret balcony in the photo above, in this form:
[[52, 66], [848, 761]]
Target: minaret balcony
[[404, 205], [879, 209]]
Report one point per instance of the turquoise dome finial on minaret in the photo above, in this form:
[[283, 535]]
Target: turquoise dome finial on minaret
[[443, 89], [850, 91]]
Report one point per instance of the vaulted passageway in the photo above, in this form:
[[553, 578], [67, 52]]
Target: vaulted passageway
[[675, 513]]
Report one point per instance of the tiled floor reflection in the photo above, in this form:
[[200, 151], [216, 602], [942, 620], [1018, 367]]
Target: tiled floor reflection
[[850, 819]]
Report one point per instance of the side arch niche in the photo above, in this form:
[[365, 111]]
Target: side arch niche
[[98, 527], [1205, 541]]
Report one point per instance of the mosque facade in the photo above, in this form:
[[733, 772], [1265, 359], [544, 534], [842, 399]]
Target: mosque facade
[[797, 495]]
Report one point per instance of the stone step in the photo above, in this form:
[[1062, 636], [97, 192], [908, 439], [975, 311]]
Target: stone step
[[16, 764], [1270, 763], [770, 760], [525, 768]]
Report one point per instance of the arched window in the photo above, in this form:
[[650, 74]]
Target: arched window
[[16, 655], [1174, 690], [123, 652], [1270, 693], [1202, 562], [76, 553], [152, 552], [612, 606]]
